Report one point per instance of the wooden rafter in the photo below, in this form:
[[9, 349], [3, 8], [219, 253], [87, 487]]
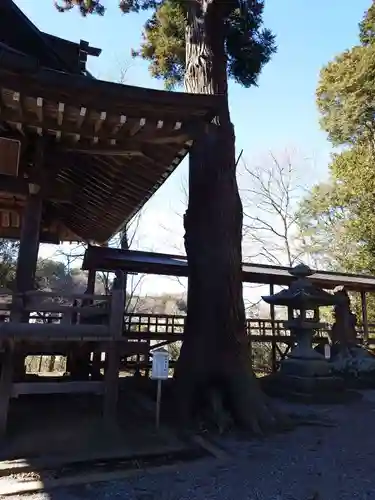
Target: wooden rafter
[[88, 129], [108, 146]]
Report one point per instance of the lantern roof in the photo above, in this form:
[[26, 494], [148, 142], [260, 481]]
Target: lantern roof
[[302, 293]]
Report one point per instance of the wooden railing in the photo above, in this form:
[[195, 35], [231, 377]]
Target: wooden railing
[[46, 319], [269, 341], [38, 315], [69, 317]]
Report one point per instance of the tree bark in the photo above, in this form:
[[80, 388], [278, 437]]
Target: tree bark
[[215, 357]]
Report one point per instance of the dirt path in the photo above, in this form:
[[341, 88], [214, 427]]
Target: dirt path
[[311, 463]]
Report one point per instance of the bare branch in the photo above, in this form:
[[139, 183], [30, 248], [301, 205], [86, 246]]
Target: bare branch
[[270, 193]]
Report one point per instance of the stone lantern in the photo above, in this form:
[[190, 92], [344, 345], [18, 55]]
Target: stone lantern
[[304, 368]]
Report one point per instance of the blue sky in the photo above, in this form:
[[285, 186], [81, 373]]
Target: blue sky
[[278, 114], [281, 110]]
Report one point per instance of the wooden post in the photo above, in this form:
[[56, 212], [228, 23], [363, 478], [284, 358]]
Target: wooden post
[[29, 243], [158, 404], [6, 380], [273, 329], [96, 355], [29, 247], [78, 357], [113, 357], [364, 315], [13, 362], [91, 280], [30, 229], [6, 375]]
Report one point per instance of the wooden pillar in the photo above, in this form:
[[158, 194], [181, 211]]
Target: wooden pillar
[[273, 330], [28, 257], [29, 243], [13, 362], [364, 315], [96, 355], [113, 356], [6, 379], [78, 359], [91, 281]]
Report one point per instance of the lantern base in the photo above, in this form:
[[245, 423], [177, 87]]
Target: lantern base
[[305, 366], [325, 390], [305, 361]]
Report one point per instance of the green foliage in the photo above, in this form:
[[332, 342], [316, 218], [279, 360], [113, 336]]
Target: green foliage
[[322, 223], [248, 45], [345, 96], [56, 276], [85, 6], [338, 217], [367, 26], [164, 44], [346, 90], [8, 258], [53, 275], [336, 223]]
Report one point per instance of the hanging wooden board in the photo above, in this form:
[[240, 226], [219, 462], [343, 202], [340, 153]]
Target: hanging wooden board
[[10, 218], [9, 156]]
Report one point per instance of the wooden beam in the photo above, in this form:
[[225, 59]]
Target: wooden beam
[[57, 388], [85, 311], [71, 296], [13, 185], [13, 233], [104, 150], [54, 191], [88, 130], [53, 331]]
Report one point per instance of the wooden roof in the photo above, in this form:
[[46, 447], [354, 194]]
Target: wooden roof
[[108, 147], [111, 259], [18, 32]]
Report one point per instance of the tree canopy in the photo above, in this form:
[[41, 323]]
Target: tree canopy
[[346, 90], [8, 257], [202, 43], [338, 214], [248, 45]]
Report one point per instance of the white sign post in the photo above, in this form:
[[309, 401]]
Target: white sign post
[[327, 351], [159, 372]]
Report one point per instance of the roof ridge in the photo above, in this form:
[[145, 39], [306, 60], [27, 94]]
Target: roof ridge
[[50, 50]]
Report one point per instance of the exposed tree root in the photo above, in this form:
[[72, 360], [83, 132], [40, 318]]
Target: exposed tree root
[[236, 402]]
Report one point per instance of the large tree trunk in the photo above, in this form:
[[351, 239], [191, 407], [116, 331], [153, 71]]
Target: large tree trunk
[[215, 356]]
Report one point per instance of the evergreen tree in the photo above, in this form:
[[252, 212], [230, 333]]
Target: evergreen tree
[[203, 43], [340, 220]]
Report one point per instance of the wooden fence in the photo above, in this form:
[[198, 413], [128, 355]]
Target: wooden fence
[[269, 340]]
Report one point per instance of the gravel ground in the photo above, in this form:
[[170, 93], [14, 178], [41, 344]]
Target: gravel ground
[[310, 463]]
